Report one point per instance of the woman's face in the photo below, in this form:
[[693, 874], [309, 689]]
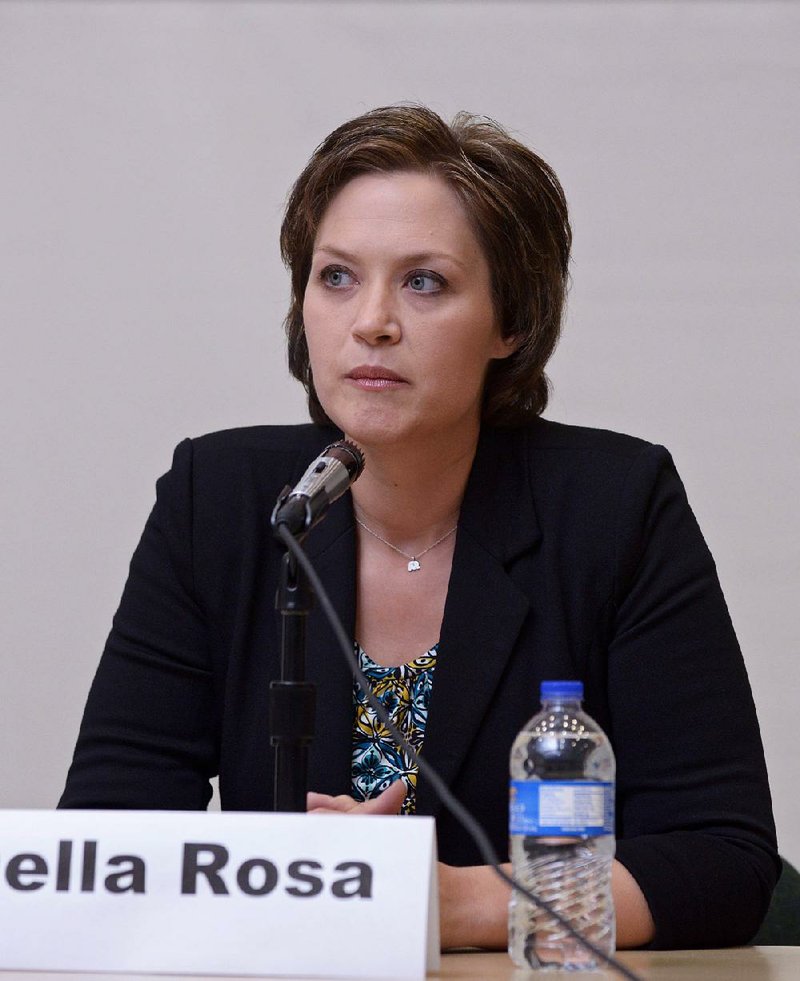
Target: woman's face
[[398, 311]]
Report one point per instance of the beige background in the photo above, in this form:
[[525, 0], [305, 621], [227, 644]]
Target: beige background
[[147, 149]]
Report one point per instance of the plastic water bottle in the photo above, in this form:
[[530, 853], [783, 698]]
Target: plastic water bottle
[[561, 824]]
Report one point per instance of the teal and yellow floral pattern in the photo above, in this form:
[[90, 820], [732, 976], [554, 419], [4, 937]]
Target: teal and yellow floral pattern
[[404, 692]]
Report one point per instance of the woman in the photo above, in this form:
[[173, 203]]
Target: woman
[[482, 550]]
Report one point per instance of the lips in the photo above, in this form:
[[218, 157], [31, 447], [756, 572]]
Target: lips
[[375, 378], [368, 372]]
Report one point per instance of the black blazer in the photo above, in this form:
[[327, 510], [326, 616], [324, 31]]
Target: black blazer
[[577, 556]]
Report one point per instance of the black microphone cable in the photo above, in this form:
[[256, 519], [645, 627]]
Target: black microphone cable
[[456, 808]]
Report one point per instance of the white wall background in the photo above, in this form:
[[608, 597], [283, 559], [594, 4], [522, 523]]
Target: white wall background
[[145, 153]]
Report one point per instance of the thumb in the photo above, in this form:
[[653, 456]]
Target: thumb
[[390, 801]]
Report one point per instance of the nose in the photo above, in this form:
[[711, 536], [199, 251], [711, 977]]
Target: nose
[[376, 319]]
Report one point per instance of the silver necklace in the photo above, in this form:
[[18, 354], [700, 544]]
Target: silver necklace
[[413, 560]]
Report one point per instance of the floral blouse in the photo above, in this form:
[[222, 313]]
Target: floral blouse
[[404, 692]]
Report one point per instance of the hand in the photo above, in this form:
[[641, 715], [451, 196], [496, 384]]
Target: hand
[[389, 802], [473, 907]]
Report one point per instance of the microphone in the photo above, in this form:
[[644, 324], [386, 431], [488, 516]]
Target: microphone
[[328, 477]]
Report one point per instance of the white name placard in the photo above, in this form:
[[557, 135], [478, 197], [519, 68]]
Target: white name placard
[[329, 896]]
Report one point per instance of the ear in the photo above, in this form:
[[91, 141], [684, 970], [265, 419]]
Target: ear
[[504, 347]]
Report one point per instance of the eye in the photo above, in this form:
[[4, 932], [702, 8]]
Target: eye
[[336, 277], [425, 281]]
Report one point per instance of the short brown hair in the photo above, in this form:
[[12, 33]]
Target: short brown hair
[[519, 213]]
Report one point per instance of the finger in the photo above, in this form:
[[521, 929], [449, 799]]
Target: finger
[[315, 800], [390, 801], [317, 803]]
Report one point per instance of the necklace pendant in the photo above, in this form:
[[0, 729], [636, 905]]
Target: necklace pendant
[[413, 566]]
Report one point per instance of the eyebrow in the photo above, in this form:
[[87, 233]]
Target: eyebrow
[[413, 259]]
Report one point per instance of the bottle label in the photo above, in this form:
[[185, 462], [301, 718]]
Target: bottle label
[[569, 808]]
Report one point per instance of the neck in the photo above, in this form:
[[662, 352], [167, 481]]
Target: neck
[[413, 492]]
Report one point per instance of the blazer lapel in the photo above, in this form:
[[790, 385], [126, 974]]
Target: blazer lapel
[[485, 608]]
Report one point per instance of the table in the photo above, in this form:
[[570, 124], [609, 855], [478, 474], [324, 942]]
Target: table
[[736, 964]]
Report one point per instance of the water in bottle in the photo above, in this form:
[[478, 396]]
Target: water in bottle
[[561, 824]]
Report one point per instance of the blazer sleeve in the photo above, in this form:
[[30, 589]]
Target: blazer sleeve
[[147, 739], [694, 811]]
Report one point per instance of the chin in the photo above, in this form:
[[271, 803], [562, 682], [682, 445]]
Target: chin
[[377, 422], [370, 425], [375, 433]]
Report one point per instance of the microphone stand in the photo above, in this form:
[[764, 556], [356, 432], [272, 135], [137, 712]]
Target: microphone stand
[[292, 699]]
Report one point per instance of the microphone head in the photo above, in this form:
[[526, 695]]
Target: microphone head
[[327, 478], [348, 453]]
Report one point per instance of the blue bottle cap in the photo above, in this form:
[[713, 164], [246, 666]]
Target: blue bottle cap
[[561, 689]]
